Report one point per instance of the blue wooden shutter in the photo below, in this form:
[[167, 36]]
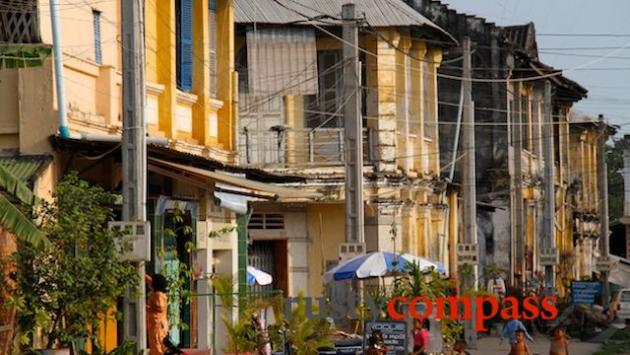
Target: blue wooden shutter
[[184, 45], [96, 19]]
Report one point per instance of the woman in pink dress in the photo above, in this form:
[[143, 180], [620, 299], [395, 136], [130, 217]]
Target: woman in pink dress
[[420, 336]]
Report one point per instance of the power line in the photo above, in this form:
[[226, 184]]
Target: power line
[[453, 77], [584, 34]]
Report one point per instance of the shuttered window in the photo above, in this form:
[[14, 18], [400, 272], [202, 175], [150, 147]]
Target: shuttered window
[[428, 116], [183, 9], [96, 23], [212, 30]]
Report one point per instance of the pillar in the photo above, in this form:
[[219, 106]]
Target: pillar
[[201, 73]]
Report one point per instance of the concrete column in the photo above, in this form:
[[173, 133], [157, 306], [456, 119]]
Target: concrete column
[[403, 105], [297, 247], [435, 57], [227, 78], [296, 149], [166, 65], [378, 227], [386, 102], [201, 73]]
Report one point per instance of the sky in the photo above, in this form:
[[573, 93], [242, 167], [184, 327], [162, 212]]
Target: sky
[[608, 89]]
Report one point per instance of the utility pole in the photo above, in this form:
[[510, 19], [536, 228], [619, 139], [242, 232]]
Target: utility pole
[[467, 250], [134, 155], [603, 263], [353, 130], [517, 141], [548, 255]]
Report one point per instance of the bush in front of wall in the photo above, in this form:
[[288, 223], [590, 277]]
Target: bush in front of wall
[[63, 291]]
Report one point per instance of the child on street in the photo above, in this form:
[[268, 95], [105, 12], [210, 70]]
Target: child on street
[[559, 342], [520, 348]]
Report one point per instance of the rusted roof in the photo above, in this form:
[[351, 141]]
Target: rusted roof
[[377, 13]]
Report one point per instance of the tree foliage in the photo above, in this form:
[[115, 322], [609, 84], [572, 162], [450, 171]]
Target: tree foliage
[[614, 159], [66, 289]]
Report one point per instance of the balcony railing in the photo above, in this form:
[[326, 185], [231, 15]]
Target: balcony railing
[[286, 147]]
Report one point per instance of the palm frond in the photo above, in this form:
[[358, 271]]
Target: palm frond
[[16, 187], [15, 221]]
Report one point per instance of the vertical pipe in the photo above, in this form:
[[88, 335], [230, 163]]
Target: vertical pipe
[[247, 158], [64, 132]]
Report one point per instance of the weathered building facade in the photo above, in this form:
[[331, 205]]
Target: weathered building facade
[[290, 122], [190, 116], [583, 190], [508, 92]]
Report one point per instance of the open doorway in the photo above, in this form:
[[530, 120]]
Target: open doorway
[[270, 256], [177, 237]]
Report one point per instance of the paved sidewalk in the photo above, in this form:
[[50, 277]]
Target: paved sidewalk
[[490, 346]]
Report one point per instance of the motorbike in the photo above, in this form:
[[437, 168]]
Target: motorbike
[[171, 348]]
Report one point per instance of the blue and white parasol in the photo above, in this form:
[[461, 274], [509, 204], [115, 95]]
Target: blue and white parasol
[[256, 276], [378, 264]]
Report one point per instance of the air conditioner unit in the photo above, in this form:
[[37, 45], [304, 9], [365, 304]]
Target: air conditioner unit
[[138, 235], [348, 251]]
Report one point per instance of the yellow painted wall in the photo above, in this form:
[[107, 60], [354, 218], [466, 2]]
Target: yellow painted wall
[[93, 90], [326, 230]]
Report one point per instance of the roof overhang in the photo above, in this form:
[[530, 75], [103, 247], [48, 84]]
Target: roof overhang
[[235, 185], [79, 147]]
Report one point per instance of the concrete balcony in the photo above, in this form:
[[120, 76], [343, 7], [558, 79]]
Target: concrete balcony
[[282, 147]]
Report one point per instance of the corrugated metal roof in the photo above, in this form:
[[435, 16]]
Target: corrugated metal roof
[[25, 167], [378, 13]]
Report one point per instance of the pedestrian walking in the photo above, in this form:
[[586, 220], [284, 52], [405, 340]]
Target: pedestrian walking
[[510, 328], [519, 347], [157, 308], [421, 336], [559, 342]]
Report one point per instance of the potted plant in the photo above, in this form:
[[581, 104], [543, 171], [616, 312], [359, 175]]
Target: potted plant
[[62, 292]]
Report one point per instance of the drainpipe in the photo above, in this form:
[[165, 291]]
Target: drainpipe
[[92, 137], [64, 132]]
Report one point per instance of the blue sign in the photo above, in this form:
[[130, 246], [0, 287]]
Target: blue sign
[[584, 292]]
